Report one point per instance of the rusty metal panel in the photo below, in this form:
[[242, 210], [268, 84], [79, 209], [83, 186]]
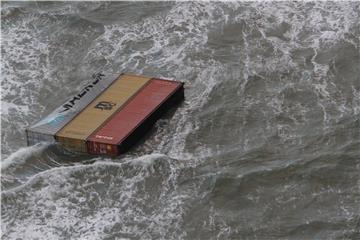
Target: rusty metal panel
[[102, 148]]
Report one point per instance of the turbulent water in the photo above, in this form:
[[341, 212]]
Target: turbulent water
[[265, 146]]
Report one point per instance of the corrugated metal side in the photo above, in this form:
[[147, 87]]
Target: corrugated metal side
[[99, 110], [102, 148], [134, 113], [74, 144], [34, 138], [56, 120]]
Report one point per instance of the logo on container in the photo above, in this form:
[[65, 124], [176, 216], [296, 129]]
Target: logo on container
[[103, 137], [103, 105], [71, 103]]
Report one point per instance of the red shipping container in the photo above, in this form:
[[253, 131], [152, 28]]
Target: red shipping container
[[137, 115]]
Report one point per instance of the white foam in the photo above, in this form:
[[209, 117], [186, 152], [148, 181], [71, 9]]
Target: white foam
[[59, 187], [51, 191], [6, 107], [20, 156], [147, 160]]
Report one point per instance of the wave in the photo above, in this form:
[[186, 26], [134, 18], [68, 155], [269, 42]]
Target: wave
[[20, 156]]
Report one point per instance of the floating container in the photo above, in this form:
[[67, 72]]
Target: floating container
[[110, 116], [135, 118]]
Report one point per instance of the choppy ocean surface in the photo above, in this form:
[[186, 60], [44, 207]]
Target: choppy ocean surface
[[266, 145]]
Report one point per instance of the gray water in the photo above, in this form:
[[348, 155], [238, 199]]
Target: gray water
[[265, 146]]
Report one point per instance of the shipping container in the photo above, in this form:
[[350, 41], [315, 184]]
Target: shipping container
[[132, 121], [74, 134], [109, 114], [45, 130]]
